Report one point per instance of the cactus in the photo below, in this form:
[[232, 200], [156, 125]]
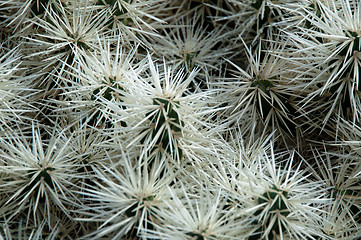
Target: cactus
[[180, 119]]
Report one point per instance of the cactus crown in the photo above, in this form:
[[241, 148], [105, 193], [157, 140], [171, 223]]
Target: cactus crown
[[42, 175], [274, 201]]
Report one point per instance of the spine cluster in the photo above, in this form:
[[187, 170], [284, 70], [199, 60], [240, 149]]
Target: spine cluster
[[180, 119]]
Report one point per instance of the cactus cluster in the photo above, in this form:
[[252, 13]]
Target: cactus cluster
[[180, 119]]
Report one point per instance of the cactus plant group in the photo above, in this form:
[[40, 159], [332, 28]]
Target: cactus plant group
[[180, 119]]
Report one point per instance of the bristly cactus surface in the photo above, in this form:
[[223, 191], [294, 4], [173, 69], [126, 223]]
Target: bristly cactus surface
[[274, 203], [180, 119], [166, 120]]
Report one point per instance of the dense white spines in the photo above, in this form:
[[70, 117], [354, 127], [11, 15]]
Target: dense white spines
[[196, 119]]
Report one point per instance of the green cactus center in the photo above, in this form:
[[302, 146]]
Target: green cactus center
[[170, 115], [198, 235], [188, 59], [81, 44], [77, 42], [44, 174], [138, 205], [276, 198], [165, 121], [269, 102], [197, 3], [195, 236], [109, 90], [264, 85], [274, 201], [166, 114]]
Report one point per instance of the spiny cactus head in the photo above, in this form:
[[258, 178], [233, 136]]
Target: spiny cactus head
[[109, 93], [166, 124], [189, 63], [42, 177], [138, 206], [273, 99], [199, 235], [274, 201], [275, 197], [171, 114], [195, 236], [264, 85], [44, 173]]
